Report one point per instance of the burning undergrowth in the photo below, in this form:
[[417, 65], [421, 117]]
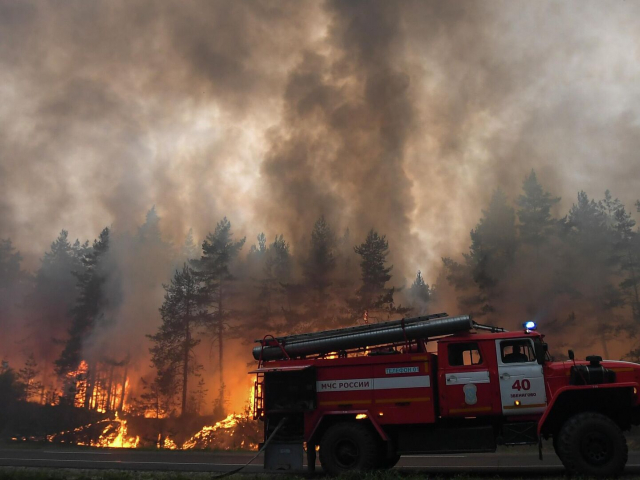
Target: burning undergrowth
[[235, 432]]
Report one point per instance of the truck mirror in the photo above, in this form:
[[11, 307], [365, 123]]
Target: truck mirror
[[571, 355], [545, 346]]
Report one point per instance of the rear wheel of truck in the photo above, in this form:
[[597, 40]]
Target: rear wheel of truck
[[347, 447], [556, 448], [592, 444]]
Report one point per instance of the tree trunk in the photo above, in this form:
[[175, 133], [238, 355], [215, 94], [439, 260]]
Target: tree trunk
[[124, 385], [221, 345], [88, 392], [109, 387], [185, 368]]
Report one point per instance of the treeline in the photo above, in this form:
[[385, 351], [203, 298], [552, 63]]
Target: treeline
[[88, 308], [93, 313], [218, 296], [578, 275]]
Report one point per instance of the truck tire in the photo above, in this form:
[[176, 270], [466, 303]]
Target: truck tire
[[592, 444], [347, 447], [556, 448]]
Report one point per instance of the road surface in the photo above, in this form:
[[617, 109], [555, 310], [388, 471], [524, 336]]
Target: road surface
[[507, 464]]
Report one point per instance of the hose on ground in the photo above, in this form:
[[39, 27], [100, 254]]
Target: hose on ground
[[273, 434]]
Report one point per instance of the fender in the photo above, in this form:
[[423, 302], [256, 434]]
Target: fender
[[349, 413], [562, 390]]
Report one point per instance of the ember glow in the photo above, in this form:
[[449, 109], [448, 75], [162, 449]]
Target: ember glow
[[109, 394]]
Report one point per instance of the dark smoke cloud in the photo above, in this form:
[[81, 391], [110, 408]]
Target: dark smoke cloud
[[399, 116]]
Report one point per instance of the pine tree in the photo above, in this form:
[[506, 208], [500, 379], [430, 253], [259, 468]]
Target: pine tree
[[10, 260], [491, 254], [50, 303], [88, 312], [420, 292], [199, 395], [535, 212], [28, 376], [213, 268], [176, 338], [321, 260], [589, 266], [159, 395], [190, 250], [627, 248], [373, 298]]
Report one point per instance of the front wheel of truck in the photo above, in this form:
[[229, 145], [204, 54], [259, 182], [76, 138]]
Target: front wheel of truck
[[592, 444], [348, 447]]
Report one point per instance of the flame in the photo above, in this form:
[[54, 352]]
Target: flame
[[220, 435], [236, 431], [113, 435], [107, 392]]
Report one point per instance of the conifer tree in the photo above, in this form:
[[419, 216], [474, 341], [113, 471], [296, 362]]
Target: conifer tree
[[213, 268], [28, 375], [88, 312], [491, 254], [420, 291], [627, 249], [373, 298], [10, 270], [535, 212], [50, 303], [172, 352], [321, 260], [589, 266], [189, 248]]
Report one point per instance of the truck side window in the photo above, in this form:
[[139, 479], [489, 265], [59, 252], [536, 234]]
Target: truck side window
[[517, 351], [461, 354]]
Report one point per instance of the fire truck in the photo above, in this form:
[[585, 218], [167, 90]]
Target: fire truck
[[365, 395]]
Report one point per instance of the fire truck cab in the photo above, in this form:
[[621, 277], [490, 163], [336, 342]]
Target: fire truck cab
[[367, 395]]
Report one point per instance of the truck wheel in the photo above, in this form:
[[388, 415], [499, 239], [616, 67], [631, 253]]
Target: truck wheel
[[348, 446], [556, 448], [592, 444]]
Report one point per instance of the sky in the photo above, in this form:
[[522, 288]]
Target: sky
[[400, 116]]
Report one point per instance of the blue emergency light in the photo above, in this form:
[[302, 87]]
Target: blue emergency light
[[530, 325]]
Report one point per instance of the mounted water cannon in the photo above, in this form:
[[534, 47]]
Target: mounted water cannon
[[363, 336]]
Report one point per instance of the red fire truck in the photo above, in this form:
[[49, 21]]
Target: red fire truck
[[368, 394]]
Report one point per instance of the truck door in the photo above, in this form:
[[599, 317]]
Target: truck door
[[521, 378], [464, 380]]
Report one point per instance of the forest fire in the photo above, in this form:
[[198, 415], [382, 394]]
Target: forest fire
[[104, 434], [236, 431], [103, 394]]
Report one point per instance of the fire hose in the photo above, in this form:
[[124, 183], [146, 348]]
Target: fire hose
[[264, 445]]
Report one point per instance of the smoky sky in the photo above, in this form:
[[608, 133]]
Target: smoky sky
[[400, 116]]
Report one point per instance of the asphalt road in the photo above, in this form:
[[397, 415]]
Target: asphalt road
[[522, 464]]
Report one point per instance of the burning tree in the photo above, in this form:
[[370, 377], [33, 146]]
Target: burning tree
[[172, 352], [87, 313], [219, 250], [29, 377]]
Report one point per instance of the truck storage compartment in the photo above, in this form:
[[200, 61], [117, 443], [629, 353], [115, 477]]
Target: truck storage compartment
[[290, 391], [426, 439]]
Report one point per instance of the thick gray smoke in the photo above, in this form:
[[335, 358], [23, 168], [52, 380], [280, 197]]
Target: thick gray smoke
[[401, 116]]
